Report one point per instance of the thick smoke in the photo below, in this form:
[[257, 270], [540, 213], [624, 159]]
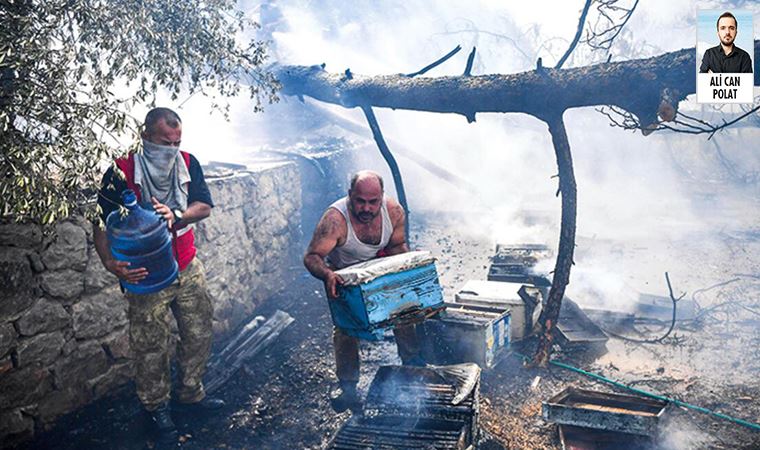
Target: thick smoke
[[645, 191]]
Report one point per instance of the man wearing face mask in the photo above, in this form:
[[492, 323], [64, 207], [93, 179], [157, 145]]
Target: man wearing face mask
[[726, 57], [172, 181], [362, 226]]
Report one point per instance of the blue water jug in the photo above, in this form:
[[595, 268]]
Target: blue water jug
[[142, 239]]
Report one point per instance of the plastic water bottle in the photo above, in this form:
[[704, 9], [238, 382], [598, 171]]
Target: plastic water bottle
[[142, 239]]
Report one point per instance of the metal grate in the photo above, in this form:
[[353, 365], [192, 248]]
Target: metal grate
[[389, 432], [431, 400], [434, 407], [434, 391]]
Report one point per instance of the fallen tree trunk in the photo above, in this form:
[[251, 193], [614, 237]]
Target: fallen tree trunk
[[635, 85]]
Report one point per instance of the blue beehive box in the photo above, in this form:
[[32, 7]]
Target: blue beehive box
[[386, 292]]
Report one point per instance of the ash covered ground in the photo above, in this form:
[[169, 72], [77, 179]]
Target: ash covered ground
[[278, 401]]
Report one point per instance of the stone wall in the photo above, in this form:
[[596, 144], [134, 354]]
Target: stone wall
[[324, 168], [63, 326], [250, 239]]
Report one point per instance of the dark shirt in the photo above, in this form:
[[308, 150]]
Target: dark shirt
[[738, 61], [109, 197]]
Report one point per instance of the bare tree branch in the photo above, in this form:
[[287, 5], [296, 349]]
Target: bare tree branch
[[581, 22], [436, 63], [675, 301], [470, 61], [386, 152], [606, 28], [472, 29], [681, 123]]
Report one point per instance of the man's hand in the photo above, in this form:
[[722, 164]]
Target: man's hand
[[332, 281], [163, 211], [123, 272], [119, 268]]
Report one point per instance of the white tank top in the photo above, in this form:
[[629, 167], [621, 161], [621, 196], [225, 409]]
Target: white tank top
[[354, 251]]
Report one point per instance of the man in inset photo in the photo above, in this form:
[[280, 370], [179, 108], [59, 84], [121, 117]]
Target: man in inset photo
[[726, 57]]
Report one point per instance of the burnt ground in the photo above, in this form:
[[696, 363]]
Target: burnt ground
[[278, 401]]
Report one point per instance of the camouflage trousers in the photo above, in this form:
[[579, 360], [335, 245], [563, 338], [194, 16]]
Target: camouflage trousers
[[347, 351], [150, 327]]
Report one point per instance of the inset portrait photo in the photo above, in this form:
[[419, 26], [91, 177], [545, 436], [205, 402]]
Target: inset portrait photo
[[725, 52]]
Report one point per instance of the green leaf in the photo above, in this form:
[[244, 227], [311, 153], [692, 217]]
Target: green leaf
[[70, 61]]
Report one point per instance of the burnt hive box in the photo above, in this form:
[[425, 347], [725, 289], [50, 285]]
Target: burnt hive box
[[517, 262], [416, 408], [578, 438], [386, 292], [467, 333], [449, 392], [574, 329], [605, 411]]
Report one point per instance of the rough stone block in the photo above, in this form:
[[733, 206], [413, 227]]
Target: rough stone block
[[15, 272], [36, 261], [117, 375], [84, 224], [68, 248], [96, 277], [88, 361], [45, 315], [225, 228], [25, 385], [11, 308], [97, 315], [70, 346], [43, 349], [278, 225], [15, 422], [20, 235], [7, 338], [59, 402], [265, 186], [66, 284], [232, 192], [6, 364]]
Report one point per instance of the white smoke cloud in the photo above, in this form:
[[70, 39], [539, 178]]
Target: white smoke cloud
[[630, 187]]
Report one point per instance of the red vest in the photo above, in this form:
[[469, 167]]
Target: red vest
[[184, 245]]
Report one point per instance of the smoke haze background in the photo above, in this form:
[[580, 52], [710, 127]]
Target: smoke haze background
[[649, 191]]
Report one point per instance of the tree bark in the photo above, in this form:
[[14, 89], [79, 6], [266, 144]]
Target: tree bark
[[391, 161], [561, 278]]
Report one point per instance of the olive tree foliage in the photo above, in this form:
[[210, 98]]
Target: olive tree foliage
[[72, 70]]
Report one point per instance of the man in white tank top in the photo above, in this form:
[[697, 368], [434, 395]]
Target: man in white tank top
[[362, 226]]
